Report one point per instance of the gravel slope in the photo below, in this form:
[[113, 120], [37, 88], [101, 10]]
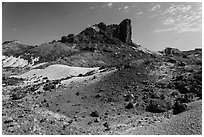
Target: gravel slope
[[186, 123]]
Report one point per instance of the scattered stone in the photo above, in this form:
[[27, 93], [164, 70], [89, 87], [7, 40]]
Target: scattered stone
[[101, 90], [106, 125], [97, 120], [64, 127], [129, 97], [172, 60], [162, 96], [42, 120], [58, 110], [7, 121], [69, 122], [89, 123], [181, 64], [98, 96], [49, 86], [129, 105], [155, 95], [77, 94], [45, 100], [107, 129], [94, 114]]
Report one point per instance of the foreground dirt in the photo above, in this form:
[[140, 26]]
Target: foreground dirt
[[115, 101]]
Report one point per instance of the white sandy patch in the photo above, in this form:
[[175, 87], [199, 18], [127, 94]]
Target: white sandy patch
[[57, 71]]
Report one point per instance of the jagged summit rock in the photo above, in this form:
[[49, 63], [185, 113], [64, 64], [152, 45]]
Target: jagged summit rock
[[103, 33]]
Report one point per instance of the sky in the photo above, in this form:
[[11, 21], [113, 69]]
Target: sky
[[155, 25]]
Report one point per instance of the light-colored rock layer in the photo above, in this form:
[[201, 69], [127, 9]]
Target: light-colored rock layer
[[57, 71]]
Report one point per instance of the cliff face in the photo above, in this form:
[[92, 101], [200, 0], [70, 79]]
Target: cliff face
[[124, 31]]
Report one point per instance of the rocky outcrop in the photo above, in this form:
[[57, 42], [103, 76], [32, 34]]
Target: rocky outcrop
[[171, 51], [103, 33]]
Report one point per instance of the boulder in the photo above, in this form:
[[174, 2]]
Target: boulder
[[179, 107]]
